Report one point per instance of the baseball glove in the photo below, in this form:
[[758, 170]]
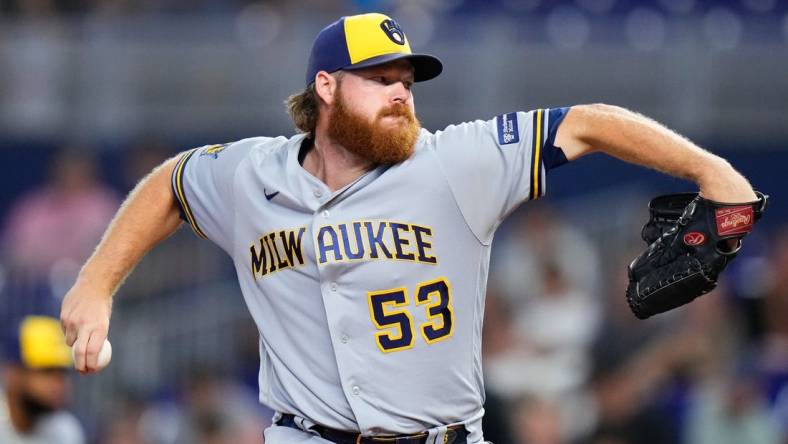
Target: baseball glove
[[689, 245]]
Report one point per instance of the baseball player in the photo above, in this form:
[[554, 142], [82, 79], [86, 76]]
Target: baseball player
[[35, 386], [362, 243]]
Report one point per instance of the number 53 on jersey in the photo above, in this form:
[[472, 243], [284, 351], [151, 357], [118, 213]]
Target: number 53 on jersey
[[390, 311]]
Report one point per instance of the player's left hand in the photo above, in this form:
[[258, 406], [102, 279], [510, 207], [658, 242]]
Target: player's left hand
[[84, 317], [691, 240]]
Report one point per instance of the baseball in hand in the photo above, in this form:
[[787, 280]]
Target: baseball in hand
[[105, 354]]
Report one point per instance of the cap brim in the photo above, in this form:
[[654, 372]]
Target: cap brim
[[425, 66]]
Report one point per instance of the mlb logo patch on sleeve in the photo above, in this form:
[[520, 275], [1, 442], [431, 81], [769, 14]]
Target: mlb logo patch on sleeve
[[507, 129]]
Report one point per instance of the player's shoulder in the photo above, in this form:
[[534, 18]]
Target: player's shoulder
[[260, 146], [252, 148], [501, 130], [470, 125], [468, 131]]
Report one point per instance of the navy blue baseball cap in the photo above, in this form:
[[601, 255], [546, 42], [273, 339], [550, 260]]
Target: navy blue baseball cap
[[364, 40]]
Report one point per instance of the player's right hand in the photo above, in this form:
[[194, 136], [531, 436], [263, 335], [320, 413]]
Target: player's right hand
[[84, 317]]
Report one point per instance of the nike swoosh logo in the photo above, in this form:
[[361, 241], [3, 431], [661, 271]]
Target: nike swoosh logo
[[270, 196]]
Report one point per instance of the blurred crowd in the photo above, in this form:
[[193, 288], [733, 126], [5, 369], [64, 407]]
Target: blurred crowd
[[48, 232], [573, 365], [565, 361], [130, 7]]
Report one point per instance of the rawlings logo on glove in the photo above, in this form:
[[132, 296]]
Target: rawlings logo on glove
[[736, 220], [689, 241]]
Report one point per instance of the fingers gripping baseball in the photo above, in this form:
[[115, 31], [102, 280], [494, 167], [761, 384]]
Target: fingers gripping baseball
[[96, 350], [84, 317]]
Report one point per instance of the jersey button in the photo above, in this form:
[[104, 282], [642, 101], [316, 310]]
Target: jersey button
[[333, 286], [326, 214], [317, 192], [356, 390], [344, 339]]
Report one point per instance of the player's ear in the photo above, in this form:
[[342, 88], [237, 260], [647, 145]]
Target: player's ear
[[326, 87]]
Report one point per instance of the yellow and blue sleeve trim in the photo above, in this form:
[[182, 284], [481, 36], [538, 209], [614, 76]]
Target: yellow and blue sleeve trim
[[177, 187], [537, 145], [544, 154]]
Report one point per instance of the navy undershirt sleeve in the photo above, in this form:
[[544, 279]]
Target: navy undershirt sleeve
[[554, 156]]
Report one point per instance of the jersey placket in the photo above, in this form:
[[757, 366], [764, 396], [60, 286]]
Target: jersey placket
[[328, 212]]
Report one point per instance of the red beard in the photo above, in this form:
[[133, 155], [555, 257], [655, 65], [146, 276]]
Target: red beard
[[373, 141]]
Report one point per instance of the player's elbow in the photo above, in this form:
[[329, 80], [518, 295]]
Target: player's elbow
[[580, 132], [594, 124]]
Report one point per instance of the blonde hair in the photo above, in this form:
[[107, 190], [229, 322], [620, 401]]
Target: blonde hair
[[304, 107]]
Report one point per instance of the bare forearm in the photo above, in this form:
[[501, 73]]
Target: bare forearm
[[148, 216], [636, 139]]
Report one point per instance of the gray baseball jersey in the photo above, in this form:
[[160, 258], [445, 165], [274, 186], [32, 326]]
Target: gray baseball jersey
[[59, 427], [369, 299]]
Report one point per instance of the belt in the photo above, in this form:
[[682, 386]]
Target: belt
[[456, 434]]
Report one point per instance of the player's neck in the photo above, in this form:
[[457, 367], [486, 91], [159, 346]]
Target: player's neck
[[334, 164]]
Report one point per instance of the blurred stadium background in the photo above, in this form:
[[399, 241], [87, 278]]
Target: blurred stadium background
[[94, 93]]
